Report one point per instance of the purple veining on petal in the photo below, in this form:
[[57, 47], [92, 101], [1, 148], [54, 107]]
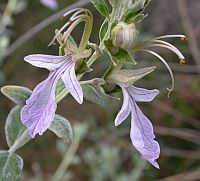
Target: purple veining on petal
[[141, 133], [49, 62], [39, 111], [125, 109], [52, 4], [142, 136], [142, 95], [72, 84]]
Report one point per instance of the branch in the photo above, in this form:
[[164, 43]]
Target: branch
[[182, 7]]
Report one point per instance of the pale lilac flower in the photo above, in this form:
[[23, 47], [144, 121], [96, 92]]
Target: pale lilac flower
[[39, 111], [141, 133], [52, 4]]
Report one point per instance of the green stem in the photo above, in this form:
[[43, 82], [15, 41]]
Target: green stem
[[5, 19], [66, 161], [19, 142]]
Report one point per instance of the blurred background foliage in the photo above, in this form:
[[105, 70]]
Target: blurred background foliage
[[105, 152]]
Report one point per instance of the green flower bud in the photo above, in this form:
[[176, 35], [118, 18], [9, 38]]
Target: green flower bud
[[124, 35]]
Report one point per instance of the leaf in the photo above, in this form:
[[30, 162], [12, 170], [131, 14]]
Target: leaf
[[101, 6], [83, 68], [136, 11], [118, 54], [132, 15], [103, 30], [17, 94], [140, 17], [128, 77], [14, 129], [62, 128], [96, 95], [10, 166], [60, 87]]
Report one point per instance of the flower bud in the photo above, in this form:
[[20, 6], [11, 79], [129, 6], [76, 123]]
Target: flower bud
[[124, 35]]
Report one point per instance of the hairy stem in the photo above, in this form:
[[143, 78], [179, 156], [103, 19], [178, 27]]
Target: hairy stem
[[67, 160], [19, 142]]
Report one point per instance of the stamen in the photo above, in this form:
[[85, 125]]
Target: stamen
[[72, 22], [176, 50], [168, 67], [79, 10], [183, 37], [64, 16], [73, 25], [62, 29]]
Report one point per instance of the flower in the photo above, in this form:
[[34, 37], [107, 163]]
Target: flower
[[52, 4], [39, 111], [141, 133]]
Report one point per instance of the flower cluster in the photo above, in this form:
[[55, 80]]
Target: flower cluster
[[119, 39]]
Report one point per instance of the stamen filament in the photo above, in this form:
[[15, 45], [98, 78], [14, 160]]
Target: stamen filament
[[182, 58], [183, 37], [73, 25], [74, 17], [175, 50], [168, 67], [69, 12]]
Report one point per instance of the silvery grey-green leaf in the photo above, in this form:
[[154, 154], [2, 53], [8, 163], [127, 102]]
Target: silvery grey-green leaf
[[128, 77], [62, 128], [118, 54], [10, 166], [101, 6], [96, 95], [17, 94], [14, 129]]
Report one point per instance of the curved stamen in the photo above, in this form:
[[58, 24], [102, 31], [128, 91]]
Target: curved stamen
[[74, 17], [73, 25], [183, 37], [181, 57], [69, 12], [168, 67], [176, 50], [79, 10]]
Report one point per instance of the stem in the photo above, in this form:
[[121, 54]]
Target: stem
[[5, 20], [19, 142], [66, 161]]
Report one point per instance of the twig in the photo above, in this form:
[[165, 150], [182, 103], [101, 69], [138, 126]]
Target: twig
[[183, 133], [175, 113], [170, 152], [182, 7], [6, 17], [189, 176]]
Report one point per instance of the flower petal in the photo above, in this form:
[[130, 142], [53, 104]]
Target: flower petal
[[72, 84], [52, 4], [125, 109], [142, 95], [49, 62], [142, 136], [40, 108]]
